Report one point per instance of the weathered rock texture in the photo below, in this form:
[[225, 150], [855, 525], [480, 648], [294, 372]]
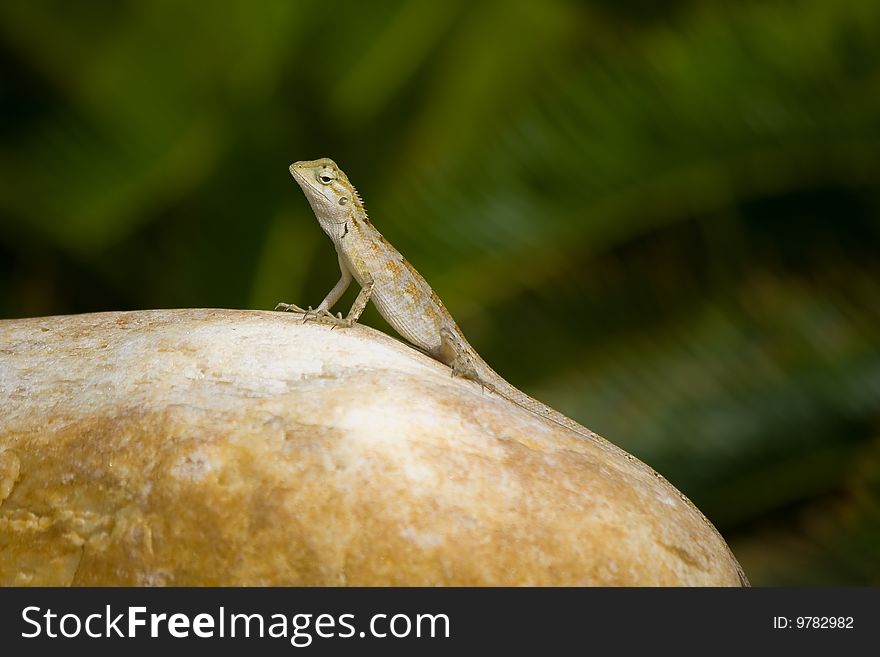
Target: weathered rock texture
[[203, 447]]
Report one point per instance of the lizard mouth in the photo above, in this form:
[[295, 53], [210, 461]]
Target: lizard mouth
[[300, 178]]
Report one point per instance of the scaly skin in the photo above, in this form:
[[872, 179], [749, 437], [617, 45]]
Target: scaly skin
[[401, 295]]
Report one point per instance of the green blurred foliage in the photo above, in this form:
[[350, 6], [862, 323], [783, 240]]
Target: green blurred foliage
[[661, 218]]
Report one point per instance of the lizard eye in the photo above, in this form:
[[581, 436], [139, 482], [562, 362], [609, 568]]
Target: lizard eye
[[325, 178]]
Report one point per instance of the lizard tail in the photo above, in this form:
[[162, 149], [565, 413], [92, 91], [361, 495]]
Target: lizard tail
[[493, 381], [464, 360]]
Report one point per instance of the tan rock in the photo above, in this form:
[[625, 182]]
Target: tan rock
[[203, 447]]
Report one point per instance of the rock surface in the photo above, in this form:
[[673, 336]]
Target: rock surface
[[228, 447]]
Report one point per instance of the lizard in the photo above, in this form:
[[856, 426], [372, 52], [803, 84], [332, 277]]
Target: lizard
[[401, 295], [406, 301]]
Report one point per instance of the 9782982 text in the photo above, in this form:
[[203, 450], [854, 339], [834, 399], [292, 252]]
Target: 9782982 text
[[813, 623]]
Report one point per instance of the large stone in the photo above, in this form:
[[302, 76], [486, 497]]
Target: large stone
[[205, 447]]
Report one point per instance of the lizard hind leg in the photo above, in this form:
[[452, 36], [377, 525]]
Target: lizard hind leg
[[459, 356]]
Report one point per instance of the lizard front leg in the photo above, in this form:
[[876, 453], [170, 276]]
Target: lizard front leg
[[324, 316], [357, 308], [322, 312]]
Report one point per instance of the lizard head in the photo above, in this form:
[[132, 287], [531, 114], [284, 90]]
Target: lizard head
[[328, 190]]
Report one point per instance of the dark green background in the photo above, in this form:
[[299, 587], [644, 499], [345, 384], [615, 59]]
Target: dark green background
[[661, 218]]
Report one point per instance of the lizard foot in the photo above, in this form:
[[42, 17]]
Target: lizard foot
[[469, 374], [292, 308], [322, 316], [319, 315]]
